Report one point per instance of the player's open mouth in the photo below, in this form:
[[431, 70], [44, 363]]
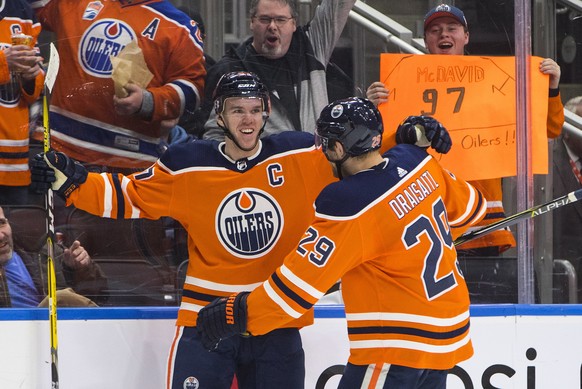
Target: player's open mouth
[[247, 131], [445, 45]]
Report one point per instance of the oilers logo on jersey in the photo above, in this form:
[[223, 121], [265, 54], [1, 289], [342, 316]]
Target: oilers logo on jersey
[[249, 222], [103, 38]]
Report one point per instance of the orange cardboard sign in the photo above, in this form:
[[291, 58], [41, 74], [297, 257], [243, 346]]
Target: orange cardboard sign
[[474, 98]]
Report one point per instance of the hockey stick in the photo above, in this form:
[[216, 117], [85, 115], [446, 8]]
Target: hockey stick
[[51, 74], [532, 212]]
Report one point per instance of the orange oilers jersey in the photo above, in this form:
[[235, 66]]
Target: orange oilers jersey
[[388, 233], [14, 100], [242, 217], [83, 120]]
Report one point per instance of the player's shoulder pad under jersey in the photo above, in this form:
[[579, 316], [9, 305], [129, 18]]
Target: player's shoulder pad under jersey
[[348, 197], [194, 153], [287, 141], [406, 153]]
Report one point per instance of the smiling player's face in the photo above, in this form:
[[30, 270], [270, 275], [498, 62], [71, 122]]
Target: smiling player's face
[[243, 117]]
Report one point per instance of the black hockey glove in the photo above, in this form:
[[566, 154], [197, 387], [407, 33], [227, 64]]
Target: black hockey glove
[[222, 318], [424, 131], [57, 171]]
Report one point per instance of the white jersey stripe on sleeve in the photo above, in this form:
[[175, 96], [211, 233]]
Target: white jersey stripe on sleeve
[[279, 301], [135, 212], [193, 281], [470, 204], [304, 286], [107, 193]]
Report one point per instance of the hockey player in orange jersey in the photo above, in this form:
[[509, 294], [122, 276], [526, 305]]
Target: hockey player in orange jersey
[[387, 230], [244, 202]]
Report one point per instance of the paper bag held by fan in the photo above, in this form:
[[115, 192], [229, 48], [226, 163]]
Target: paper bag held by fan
[[129, 66]]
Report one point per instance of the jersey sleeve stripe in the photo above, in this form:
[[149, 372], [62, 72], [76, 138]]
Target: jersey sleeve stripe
[[407, 344], [181, 96], [191, 307], [118, 196], [468, 210], [14, 143], [304, 286], [406, 317], [495, 215], [187, 91], [475, 204], [135, 212], [200, 296], [279, 301], [289, 293], [107, 193], [480, 210], [400, 330], [198, 282]]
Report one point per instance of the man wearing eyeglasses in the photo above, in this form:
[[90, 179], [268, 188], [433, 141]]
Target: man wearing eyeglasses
[[290, 59]]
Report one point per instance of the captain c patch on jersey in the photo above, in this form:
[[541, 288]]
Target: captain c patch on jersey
[[249, 222]]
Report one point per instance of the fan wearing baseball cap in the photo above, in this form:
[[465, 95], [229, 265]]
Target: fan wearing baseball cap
[[446, 32]]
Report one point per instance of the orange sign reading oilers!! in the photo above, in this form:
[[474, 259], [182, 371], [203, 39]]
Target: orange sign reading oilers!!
[[474, 98]]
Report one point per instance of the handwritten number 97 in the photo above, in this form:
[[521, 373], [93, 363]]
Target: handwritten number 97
[[430, 96]]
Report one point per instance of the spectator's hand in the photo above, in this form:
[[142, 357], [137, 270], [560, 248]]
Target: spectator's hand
[[424, 131], [67, 175], [33, 71], [214, 323], [21, 58], [550, 67], [131, 104], [76, 256], [377, 93]]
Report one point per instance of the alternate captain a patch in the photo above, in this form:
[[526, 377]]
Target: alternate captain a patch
[[249, 222]]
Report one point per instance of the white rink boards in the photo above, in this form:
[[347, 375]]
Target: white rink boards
[[516, 346]]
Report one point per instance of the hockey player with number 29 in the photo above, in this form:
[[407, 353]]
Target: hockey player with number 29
[[387, 230], [244, 203]]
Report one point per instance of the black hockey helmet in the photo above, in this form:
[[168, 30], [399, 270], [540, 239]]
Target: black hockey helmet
[[354, 122], [240, 84]]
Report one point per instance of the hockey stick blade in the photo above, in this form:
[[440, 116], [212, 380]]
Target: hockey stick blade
[[537, 210], [49, 81], [53, 68]]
